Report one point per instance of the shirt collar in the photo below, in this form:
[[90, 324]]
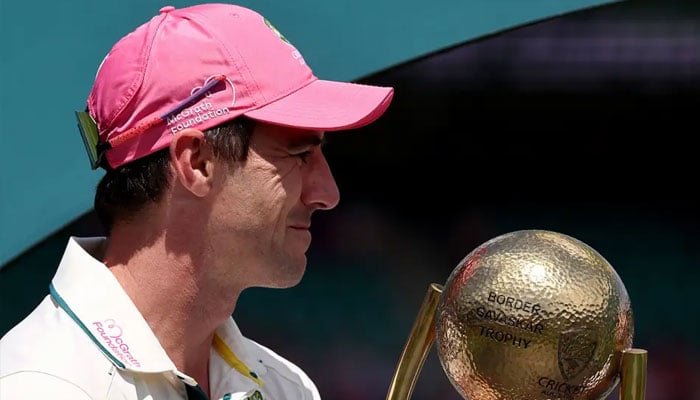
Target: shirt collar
[[232, 353], [92, 296]]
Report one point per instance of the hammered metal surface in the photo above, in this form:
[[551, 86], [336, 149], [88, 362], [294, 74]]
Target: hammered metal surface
[[533, 315]]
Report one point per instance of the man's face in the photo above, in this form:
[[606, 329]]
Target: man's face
[[262, 215]]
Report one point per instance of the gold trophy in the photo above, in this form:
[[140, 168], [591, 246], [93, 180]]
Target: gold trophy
[[528, 315]]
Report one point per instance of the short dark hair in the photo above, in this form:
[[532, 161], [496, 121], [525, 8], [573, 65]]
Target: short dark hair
[[124, 191]]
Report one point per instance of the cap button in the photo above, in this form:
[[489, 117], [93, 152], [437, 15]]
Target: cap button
[[166, 9]]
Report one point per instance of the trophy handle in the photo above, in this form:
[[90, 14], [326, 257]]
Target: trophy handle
[[634, 374], [417, 346]]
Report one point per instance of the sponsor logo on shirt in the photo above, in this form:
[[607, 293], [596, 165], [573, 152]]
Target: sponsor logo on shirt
[[111, 335]]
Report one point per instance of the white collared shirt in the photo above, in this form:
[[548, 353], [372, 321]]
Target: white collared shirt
[[87, 340]]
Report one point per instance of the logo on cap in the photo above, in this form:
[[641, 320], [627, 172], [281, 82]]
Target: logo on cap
[[277, 32], [295, 53], [203, 110]]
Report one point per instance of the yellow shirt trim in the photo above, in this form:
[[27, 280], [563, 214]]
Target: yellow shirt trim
[[228, 355]]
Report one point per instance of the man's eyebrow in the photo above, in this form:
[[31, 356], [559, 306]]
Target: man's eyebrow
[[306, 141]]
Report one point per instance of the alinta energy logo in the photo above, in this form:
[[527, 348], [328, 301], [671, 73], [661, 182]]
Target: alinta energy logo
[[203, 110]]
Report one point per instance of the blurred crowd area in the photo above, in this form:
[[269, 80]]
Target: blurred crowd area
[[580, 124]]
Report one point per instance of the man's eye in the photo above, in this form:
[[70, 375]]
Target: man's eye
[[304, 156]]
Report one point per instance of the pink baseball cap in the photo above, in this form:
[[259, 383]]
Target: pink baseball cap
[[203, 65]]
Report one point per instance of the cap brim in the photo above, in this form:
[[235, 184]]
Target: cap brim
[[327, 106]]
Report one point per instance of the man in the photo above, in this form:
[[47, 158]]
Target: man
[[209, 124]]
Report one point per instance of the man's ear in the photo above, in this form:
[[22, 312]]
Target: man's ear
[[193, 161]]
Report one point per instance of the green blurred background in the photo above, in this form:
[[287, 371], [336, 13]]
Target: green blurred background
[[581, 124]]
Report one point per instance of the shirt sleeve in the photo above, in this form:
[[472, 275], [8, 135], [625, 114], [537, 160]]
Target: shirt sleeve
[[26, 385]]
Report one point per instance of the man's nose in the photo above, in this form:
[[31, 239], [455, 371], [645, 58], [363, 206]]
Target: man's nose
[[320, 189]]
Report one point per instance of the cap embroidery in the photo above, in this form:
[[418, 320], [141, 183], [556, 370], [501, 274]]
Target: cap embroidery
[[295, 53], [277, 32], [204, 110]]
